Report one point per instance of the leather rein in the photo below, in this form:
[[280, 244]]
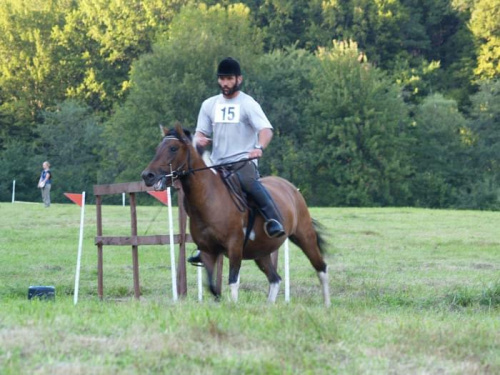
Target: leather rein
[[179, 173]]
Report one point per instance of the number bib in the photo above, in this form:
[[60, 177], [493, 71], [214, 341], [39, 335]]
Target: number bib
[[227, 113]]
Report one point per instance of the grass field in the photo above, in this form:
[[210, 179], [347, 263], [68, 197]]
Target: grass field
[[414, 291]]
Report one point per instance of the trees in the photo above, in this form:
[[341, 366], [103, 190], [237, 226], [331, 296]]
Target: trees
[[100, 39], [288, 23], [485, 124], [417, 41], [356, 134], [281, 83], [20, 164], [484, 25], [485, 127], [377, 27], [28, 80], [58, 49], [338, 119], [440, 153]]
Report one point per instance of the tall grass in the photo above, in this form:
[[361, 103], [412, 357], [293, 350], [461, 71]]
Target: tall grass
[[414, 291]]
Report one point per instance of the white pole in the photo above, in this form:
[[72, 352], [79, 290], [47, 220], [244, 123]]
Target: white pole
[[287, 272], [78, 260], [13, 190], [123, 199], [172, 247], [200, 284]]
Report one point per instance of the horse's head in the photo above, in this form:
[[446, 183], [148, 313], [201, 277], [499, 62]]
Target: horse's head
[[172, 158]]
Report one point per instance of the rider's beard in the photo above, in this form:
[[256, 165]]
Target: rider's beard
[[226, 91]]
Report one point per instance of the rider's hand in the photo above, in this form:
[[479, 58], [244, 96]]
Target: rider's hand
[[255, 153], [201, 140]]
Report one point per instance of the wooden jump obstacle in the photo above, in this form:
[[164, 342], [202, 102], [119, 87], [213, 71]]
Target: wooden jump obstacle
[[135, 241]]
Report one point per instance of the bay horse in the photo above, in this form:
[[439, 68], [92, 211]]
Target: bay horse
[[218, 226]]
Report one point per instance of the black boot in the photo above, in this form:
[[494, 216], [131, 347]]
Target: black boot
[[195, 259], [267, 208]]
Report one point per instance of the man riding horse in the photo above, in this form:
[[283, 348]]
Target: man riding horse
[[239, 130]]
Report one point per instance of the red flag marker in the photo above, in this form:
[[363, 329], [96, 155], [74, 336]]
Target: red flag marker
[[76, 198], [160, 195]]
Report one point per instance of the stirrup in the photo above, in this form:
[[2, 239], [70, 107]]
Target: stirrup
[[278, 231], [195, 260]]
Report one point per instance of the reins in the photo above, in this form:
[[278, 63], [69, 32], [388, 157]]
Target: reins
[[179, 174], [238, 200]]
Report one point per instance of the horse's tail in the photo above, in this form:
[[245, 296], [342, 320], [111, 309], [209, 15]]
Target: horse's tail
[[319, 229], [320, 239]]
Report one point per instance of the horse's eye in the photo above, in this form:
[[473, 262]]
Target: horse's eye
[[174, 148]]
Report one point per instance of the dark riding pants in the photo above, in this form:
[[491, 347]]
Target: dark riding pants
[[248, 175]]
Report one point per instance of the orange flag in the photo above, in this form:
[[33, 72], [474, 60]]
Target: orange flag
[[76, 198], [160, 195]]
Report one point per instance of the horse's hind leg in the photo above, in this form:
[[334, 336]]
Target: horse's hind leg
[[307, 239], [266, 265]]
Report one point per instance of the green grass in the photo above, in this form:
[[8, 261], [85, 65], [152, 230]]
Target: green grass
[[414, 291]]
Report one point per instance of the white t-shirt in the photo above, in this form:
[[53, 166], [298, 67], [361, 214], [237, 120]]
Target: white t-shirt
[[233, 124]]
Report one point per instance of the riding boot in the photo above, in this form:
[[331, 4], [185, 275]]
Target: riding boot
[[195, 259], [273, 226]]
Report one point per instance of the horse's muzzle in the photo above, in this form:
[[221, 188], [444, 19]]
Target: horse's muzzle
[[149, 177], [152, 179]]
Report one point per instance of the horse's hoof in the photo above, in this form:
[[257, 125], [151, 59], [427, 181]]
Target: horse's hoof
[[214, 292]]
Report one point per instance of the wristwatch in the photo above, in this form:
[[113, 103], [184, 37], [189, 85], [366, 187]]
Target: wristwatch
[[259, 147]]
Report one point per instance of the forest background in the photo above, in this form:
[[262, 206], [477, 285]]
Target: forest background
[[374, 102]]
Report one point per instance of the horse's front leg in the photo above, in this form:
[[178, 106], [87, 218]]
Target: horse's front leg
[[234, 274], [209, 261]]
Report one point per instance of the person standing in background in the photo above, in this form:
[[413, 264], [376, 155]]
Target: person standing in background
[[45, 183]]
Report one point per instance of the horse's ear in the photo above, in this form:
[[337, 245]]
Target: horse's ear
[[188, 134], [184, 134], [178, 129], [163, 130]]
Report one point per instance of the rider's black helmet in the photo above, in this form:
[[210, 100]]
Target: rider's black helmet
[[229, 67]]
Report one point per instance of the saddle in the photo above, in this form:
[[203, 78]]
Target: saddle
[[241, 199]]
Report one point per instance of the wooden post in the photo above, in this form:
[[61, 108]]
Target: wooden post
[[135, 252], [98, 207]]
